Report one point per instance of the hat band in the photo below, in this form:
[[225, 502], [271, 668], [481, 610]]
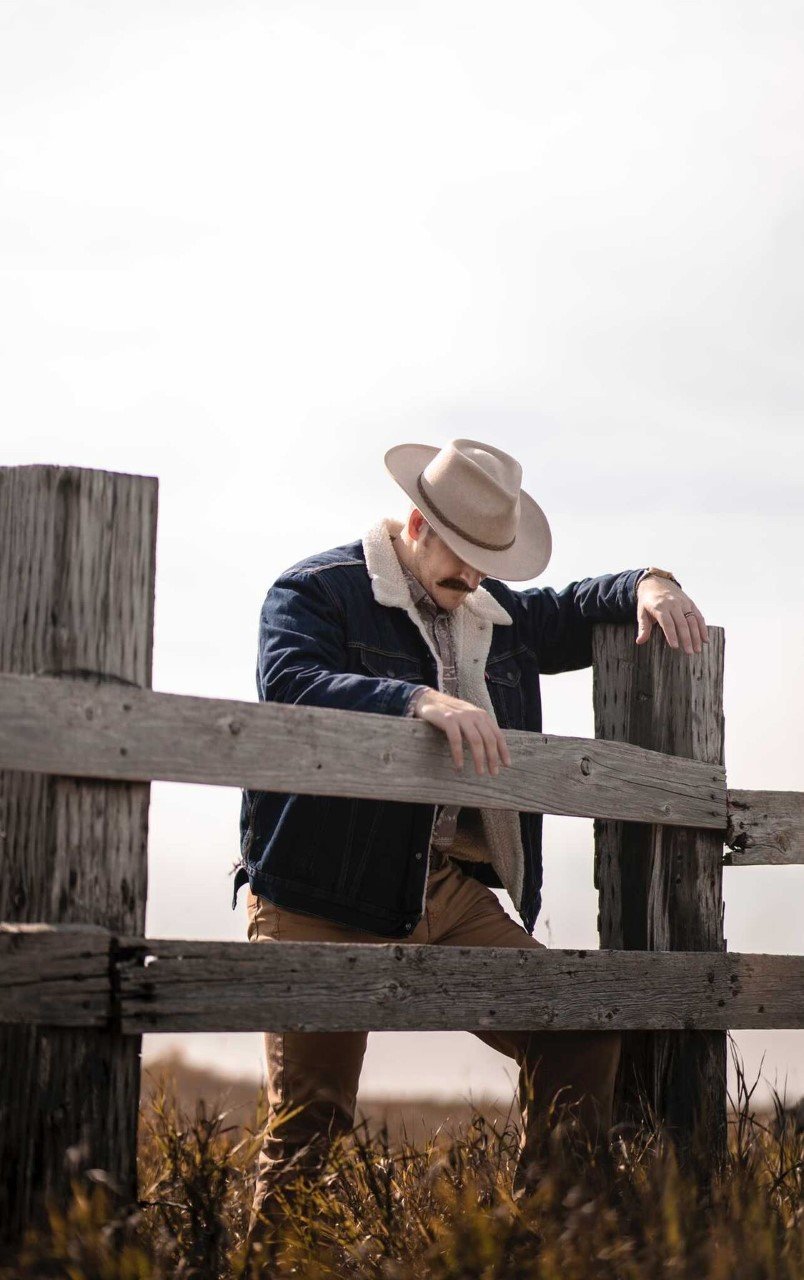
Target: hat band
[[486, 546]]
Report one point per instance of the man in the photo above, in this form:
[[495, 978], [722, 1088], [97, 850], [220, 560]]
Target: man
[[398, 623]]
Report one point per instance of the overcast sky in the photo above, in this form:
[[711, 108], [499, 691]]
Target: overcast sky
[[248, 247]]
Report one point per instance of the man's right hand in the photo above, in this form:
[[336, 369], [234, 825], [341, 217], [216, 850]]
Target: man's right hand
[[464, 722]]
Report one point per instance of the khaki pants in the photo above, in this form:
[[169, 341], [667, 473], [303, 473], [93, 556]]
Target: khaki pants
[[319, 1071]]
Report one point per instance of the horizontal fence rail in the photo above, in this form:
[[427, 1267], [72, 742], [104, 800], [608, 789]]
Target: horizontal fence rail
[[80, 729], [765, 827], [80, 976]]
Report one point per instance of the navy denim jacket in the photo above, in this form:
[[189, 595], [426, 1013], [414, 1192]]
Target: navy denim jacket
[[326, 641]]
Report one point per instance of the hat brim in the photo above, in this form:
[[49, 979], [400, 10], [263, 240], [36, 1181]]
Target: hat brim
[[530, 552]]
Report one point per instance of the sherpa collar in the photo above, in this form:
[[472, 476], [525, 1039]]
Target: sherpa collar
[[388, 581], [472, 636]]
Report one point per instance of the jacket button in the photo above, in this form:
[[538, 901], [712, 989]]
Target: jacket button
[[408, 925], [418, 857]]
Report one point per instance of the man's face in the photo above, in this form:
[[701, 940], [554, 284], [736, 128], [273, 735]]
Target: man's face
[[448, 579]]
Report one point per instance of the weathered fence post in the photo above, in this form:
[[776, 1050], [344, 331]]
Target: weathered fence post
[[77, 564], [660, 887]]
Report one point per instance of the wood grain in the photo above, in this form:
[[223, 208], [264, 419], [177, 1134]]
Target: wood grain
[[57, 976], [765, 827], [92, 731], [661, 887], [77, 561], [234, 986], [75, 976]]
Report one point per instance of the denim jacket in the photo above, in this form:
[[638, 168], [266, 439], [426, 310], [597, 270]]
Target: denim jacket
[[339, 629]]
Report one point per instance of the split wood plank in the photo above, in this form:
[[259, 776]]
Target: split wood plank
[[765, 827], [661, 887], [77, 572], [77, 976], [82, 729], [55, 976], [167, 985]]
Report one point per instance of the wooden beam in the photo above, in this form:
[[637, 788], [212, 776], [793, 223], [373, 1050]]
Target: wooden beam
[[661, 887], [77, 567], [235, 986], [765, 827], [56, 976], [85, 730], [175, 985]]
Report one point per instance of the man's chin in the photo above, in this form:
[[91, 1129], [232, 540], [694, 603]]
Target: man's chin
[[453, 599]]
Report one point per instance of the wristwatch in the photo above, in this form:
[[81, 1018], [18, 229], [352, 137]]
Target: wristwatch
[[653, 572]]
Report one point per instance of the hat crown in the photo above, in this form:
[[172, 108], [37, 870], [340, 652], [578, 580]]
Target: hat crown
[[471, 494], [475, 489]]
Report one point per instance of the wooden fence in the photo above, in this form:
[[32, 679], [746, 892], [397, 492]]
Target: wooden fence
[[82, 735]]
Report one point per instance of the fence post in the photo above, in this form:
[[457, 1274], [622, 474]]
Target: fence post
[[660, 888], [77, 565]]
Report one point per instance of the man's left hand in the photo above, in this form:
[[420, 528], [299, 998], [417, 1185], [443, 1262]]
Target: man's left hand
[[659, 600]]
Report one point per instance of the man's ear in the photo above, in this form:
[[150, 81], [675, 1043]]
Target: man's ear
[[416, 523]]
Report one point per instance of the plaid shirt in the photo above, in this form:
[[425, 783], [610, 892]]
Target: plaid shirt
[[468, 830]]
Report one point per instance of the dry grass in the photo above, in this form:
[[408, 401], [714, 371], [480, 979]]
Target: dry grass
[[439, 1209]]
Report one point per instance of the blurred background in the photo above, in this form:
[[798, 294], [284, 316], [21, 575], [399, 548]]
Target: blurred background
[[247, 247]]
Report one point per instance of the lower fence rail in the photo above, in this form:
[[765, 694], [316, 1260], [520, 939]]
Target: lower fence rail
[[83, 976]]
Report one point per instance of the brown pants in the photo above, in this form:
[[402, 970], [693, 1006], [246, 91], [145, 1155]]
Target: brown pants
[[319, 1071]]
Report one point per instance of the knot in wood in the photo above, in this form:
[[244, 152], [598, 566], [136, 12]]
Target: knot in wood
[[586, 766]]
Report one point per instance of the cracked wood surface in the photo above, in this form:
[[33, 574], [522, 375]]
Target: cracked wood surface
[[77, 566], [80, 728], [376, 986], [76, 976], [660, 887], [765, 827]]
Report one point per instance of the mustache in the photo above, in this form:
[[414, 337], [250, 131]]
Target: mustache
[[455, 585]]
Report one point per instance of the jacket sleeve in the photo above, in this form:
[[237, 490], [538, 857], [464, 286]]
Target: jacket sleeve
[[303, 656], [560, 622]]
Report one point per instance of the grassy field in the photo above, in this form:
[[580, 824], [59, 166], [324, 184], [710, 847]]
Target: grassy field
[[422, 1190]]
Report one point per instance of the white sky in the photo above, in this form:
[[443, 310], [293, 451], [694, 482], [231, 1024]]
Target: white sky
[[247, 247]]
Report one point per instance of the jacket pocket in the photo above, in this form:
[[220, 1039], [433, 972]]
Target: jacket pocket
[[504, 680], [393, 666]]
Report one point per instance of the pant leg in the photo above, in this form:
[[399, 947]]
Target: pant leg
[[574, 1067], [312, 1076]]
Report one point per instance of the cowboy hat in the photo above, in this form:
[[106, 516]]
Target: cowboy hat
[[470, 493]]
